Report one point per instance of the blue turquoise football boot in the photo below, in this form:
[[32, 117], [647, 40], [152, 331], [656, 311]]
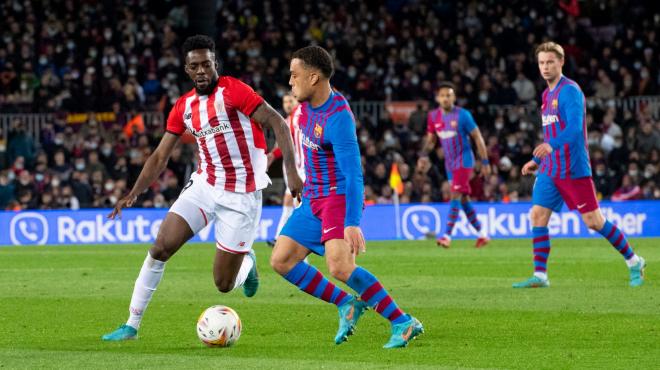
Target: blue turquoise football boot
[[404, 332], [251, 284], [533, 282], [124, 332], [349, 314], [637, 273]]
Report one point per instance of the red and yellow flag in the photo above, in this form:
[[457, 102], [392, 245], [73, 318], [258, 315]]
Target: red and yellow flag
[[395, 179]]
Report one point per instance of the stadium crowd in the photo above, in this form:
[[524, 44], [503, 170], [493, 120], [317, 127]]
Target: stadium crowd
[[71, 56]]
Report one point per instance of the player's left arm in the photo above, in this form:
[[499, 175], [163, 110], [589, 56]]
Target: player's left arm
[[571, 108], [470, 126], [268, 117], [342, 135]]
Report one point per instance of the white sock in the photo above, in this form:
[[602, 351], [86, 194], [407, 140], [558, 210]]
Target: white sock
[[286, 213], [446, 236], [483, 232], [243, 272], [145, 286], [632, 261], [541, 275]]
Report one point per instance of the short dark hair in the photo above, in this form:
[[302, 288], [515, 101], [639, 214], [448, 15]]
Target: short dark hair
[[316, 57], [198, 42], [445, 85]]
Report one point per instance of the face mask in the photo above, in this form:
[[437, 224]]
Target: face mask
[[600, 172], [58, 141], [55, 182], [93, 53], [511, 144], [106, 151], [633, 173], [19, 166], [80, 166], [107, 35], [43, 61], [109, 186], [483, 97], [107, 73], [70, 45], [499, 125], [39, 177], [93, 145]]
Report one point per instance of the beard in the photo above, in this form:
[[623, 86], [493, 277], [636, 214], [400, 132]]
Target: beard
[[208, 89]]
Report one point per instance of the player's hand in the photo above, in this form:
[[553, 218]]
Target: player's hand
[[485, 170], [126, 201], [353, 236], [295, 184], [529, 168], [542, 150]]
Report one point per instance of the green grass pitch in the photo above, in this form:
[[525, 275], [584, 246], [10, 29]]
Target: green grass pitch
[[56, 302]]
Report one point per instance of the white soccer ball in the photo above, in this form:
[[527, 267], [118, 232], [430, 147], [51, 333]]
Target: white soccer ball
[[219, 326]]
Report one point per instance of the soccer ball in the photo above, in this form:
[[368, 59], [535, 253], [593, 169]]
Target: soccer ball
[[219, 326]]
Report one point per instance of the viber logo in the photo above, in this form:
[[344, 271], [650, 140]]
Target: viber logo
[[418, 221], [28, 228]]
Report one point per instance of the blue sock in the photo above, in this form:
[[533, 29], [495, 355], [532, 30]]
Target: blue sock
[[372, 292], [541, 248], [472, 216], [455, 206], [310, 280], [617, 239]]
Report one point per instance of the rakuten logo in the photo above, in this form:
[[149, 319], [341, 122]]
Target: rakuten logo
[[103, 230]]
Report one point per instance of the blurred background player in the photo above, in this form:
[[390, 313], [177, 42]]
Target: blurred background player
[[565, 170], [454, 126], [226, 188], [289, 103], [328, 220]]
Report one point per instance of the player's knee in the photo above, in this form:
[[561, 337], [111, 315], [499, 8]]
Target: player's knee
[[224, 285], [279, 264], [159, 251], [340, 271], [538, 218], [594, 223]]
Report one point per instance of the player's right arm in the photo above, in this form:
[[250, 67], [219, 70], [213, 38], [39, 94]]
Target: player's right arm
[[153, 167]]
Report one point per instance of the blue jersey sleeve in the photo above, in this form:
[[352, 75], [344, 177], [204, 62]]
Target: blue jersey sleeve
[[341, 134], [466, 121], [571, 109]]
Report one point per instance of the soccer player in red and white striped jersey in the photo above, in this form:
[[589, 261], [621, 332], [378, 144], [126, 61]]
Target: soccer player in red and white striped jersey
[[226, 117]]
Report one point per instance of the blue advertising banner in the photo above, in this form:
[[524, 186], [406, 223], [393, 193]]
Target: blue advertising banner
[[415, 221]]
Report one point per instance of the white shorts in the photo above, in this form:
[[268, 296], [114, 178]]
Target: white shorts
[[236, 215]]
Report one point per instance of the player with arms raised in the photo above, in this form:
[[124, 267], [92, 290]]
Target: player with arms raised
[[226, 117], [564, 170], [328, 220], [454, 126]]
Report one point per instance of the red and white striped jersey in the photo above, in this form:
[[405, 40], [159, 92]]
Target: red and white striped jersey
[[294, 126], [232, 147]]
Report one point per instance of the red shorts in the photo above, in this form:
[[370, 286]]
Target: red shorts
[[579, 194], [331, 210], [460, 181]]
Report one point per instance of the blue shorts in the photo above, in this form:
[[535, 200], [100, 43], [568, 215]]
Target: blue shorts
[[316, 221], [579, 194]]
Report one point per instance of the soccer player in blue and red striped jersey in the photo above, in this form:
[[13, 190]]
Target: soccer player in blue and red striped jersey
[[328, 220], [454, 126], [564, 171]]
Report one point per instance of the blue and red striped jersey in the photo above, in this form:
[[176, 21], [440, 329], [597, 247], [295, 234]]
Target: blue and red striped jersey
[[453, 129], [563, 112], [332, 155]]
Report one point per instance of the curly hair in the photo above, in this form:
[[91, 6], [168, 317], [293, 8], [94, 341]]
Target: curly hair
[[316, 57], [198, 42]]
